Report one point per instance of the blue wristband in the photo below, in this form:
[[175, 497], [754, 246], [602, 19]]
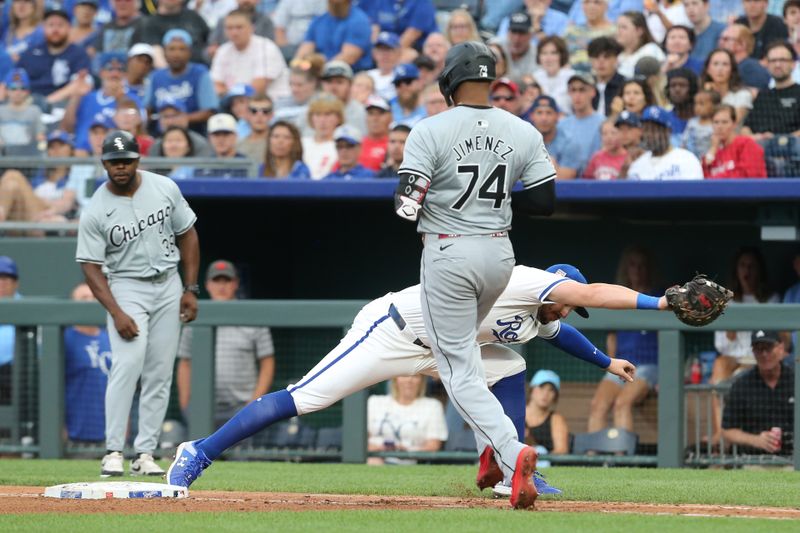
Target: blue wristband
[[644, 301]]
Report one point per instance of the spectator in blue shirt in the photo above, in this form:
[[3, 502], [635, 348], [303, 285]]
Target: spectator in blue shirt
[[563, 151], [9, 282], [544, 20], [52, 64], [584, 123], [615, 9], [406, 106], [344, 33], [348, 148], [183, 81], [87, 360], [24, 29], [86, 105], [707, 31], [412, 20]]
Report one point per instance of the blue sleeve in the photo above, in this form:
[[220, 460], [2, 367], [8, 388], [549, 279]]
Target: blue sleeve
[[206, 97], [423, 17], [359, 31], [571, 158], [574, 343], [312, 30], [618, 7], [82, 61], [149, 95]]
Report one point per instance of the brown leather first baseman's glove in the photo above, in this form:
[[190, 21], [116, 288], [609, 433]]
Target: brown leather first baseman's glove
[[699, 301]]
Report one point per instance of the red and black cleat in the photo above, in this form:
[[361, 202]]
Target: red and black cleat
[[489, 473], [523, 491]]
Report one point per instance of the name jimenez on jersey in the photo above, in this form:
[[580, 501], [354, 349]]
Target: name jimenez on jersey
[[481, 143]]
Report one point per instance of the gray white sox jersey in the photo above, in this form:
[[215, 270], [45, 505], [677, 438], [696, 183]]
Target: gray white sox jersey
[[134, 237], [473, 156]]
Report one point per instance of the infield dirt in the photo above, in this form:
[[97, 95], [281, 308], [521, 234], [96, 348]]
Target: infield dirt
[[27, 500]]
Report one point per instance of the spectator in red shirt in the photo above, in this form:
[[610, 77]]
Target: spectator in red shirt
[[373, 146], [607, 162], [732, 155]]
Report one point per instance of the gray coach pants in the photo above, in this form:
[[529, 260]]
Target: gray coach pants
[[155, 306], [461, 279]]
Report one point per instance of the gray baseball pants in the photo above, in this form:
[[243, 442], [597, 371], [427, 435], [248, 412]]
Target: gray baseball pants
[[461, 278], [155, 307]]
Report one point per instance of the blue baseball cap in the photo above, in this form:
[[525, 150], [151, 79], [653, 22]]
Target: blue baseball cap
[[544, 100], [388, 39], [60, 136], [627, 118], [656, 114], [546, 376], [179, 105], [107, 58], [8, 267], [177, 33], [241, 89], [569, 271], [405, 71], [102, 121], [18, 77]]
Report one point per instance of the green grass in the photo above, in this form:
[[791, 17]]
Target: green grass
[[440, 521], [739, 487]]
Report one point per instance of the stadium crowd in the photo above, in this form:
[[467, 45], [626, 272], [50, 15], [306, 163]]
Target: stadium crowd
[[316, 89]]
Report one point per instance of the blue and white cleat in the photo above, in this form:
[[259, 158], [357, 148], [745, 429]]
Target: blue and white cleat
[[501, 490], [188, 465]]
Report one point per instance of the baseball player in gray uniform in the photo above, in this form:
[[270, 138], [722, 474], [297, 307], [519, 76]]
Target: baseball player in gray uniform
[[458, 171], [133, 234]]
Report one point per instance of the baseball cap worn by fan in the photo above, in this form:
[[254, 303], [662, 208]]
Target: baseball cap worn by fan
[[142, 49], [505, 82], [177, 33], [388, 39], [544, 100], [571, 272], [585, 77], [546, 376], [337, 69], [627, 118], [377, 102], [765, 336], [221, 268], [221, 122], [404, 72], [657, 115], [8, 267], [60, 136], [347, 134], [18, 78], [520, 22]]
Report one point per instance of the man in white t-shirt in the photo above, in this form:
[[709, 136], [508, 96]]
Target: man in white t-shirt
[[386, 53], [662, 161], [249, 59]]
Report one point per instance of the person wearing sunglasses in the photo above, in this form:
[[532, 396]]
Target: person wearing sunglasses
[[406, 106], [259, 114], [505, 95]]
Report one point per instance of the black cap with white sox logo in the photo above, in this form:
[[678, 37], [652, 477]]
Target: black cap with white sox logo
[[120, 144]]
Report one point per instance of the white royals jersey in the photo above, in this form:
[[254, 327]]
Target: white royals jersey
[[512, 319], [134, 237]]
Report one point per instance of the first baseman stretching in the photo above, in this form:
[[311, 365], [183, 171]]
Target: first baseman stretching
[[388, 338], [132, 235]]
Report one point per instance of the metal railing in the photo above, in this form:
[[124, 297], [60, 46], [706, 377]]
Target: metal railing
[[51, 315], [147, 163]]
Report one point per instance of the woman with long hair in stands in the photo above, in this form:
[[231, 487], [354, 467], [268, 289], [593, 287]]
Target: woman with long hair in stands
[[732, 155], [177, 143], [24, 27], [636, 270], [284, 157], [634, 96], [750, 285], [636, 41], [461, 27], [721, 74]]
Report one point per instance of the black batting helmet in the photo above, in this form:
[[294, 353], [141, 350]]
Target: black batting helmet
[[468, 61], [120, 144]]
